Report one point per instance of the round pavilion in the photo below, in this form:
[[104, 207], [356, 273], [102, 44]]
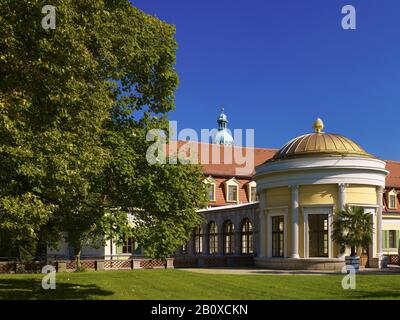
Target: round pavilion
[[302, 187]]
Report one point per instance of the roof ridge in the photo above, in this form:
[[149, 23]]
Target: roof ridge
[[223, 146], [392, 161]]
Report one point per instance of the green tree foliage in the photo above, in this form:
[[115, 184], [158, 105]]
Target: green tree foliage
[[162, 198], [20, 218], [352, 228], [70, 99]]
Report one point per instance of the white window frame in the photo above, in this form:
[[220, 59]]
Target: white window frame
[[276, 212], [250, 185], [232, 182], [392, 193], [391, 248], [211, 181], [318, 209]]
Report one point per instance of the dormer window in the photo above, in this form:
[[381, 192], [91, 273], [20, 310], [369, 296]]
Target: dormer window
[[392, 199], [252, 191], [211, 188], [232, 193], [254, 195], [232, 190]]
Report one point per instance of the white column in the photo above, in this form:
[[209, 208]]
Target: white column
[[262, 229], [341, 206], [295, 222], [379, 194], [342, 196]]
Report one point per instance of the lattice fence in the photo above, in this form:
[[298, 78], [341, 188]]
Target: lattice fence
[[394, 259], [32, 267], [150, 264], [7, 267], [88, 264], [71, 265], [22, 267], [118, 264]]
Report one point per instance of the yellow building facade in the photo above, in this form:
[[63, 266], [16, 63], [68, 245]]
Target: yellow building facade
[[302, 187]]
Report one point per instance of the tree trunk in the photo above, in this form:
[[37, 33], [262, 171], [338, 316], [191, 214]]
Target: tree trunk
[[40, 250], [353, 251], [18, 252], [77, 254]]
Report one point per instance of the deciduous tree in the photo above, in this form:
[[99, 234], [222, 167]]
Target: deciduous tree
[[75, 104]]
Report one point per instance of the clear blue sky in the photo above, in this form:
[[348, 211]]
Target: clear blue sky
[[277, 65]]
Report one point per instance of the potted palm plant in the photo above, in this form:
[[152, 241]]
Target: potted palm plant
[[352, 228]]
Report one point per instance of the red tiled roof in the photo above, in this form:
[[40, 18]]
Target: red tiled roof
[[225, 168], [234, 159], [392, 182], [393, 179], [228, 168]]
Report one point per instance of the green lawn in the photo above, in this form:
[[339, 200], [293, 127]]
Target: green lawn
[[178, 284]]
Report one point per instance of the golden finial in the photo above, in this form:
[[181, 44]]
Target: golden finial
[[318, 125]]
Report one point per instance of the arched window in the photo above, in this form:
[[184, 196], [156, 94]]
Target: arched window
[[198, 240], [247, 236], [228, 237], [212, 238]]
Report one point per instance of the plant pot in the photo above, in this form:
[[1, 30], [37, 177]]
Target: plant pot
[[353, 261]]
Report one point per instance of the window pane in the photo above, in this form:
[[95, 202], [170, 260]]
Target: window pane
[[392, 201], [228, 237], [253, 194], [318, 235], [211, 192], [128, 246], [277, 236], [247, 237], [392, 239], [198, 240], [232, 193], [213, 238], [250, 244], [244, 244]]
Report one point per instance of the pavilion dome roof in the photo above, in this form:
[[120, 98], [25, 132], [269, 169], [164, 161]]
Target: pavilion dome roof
[[320, 144]]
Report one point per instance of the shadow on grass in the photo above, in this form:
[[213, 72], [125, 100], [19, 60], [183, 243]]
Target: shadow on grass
[[295, 272], [31, 289], [382, 294]]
